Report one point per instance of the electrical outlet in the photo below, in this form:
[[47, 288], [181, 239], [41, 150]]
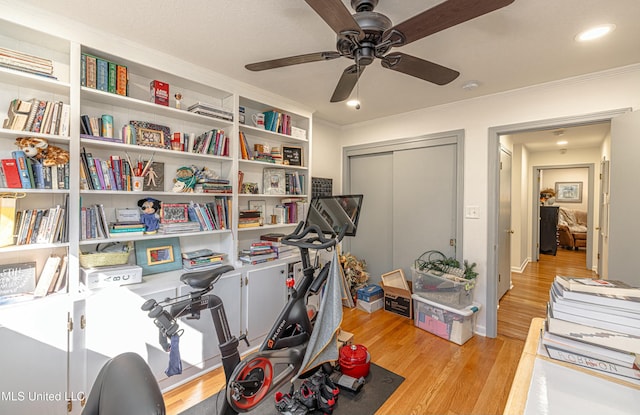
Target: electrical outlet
[[472, 212]]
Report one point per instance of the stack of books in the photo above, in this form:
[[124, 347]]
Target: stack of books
[[26, 63], [211, 110], [202, 259], [129, 228], [276, 243], [205, 185], [259, 252], [249, 218], [178, 227], [594, 324]]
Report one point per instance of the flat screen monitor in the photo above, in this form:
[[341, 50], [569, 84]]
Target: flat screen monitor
[[331, 213]]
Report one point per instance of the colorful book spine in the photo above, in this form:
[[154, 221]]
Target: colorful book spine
[[112, 78], [122, 80], [91, 74], [102, 75], [11, 173], [23, 169]]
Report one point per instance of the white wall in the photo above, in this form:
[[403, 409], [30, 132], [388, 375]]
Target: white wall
[[573, 97], [576, 175], [327, 153]]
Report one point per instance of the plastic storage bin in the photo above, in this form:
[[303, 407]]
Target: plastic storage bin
[[455, 325], [445, 289]]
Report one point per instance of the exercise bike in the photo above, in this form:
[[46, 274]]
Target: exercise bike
[[281, 354]]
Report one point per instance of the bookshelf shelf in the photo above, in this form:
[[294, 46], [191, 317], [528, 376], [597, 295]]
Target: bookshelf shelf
[[36, 82], [95, 241], [270, 135], [32, 247]]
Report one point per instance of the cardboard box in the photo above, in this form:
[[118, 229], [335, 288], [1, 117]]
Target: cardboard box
[[159, 92], [398, 300], [370, 306], [344, 338], [370, 293], [455, 325]]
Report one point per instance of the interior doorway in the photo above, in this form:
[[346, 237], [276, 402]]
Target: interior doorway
[[497, 136]]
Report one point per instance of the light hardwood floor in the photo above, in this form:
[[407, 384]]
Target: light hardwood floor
[[440, 377]]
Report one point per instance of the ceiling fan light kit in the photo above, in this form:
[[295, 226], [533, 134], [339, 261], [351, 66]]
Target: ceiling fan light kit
[[367, 35]]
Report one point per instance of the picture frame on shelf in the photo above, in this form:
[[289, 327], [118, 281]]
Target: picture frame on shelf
[[147, 137], [249, 188], [158, 255], [261, 206], [569, 192], [154, 179], [141, 127], [174, 213], [274, 182], [292, 155]]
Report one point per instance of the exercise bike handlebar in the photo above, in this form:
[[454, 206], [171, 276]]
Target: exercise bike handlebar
[[317, 241]]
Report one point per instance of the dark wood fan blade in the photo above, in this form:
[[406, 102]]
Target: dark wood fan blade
[[347, 82], [336, 15], [292, 60], [428, 71], [445, 15]]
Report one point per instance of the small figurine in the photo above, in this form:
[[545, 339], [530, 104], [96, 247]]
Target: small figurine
[[178, 97], [150, 214]]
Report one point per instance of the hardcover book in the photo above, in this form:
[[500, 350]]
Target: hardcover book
[[589, 285], [18, 278]]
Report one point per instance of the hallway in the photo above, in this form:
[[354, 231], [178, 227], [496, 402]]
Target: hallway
[[530, 290]]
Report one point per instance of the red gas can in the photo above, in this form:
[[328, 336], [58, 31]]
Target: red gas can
[[354, 360]]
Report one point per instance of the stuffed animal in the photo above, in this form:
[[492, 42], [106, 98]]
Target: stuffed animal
[[41, 150], [150, 209]]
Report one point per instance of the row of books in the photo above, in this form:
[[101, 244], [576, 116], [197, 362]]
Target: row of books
[[38, 116], [212, 142], [22, 172], [213, 215], [594, 324], [295, 183], [278, 122], [291, 210], [213, 186], [103, 75], [211, 110], [24, 285], [40, 226], [97, 126], [25, 62], [93, 222], [112, 174], [202, 259]]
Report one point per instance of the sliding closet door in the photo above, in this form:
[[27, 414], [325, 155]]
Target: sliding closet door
[[424, 203], [371, 175], [412, 200]]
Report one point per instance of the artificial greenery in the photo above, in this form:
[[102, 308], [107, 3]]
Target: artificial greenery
[[438, 262]]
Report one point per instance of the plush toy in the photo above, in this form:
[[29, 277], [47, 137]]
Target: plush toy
[[150, 208], [185, 180], [41, 150]]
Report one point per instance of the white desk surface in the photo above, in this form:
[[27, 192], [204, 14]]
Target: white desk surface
[[543, 386]]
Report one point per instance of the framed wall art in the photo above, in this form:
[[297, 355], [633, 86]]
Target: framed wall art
[[274, 182], [292, 156], [569, 192], [158, 255], [174, 213]]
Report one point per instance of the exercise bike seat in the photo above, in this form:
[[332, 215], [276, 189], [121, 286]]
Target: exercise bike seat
[[204, 279]]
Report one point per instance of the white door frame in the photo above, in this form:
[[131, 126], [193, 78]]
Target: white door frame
[[494, 189]]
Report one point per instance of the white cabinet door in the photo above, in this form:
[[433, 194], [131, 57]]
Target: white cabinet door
[[266, 296], [33, 357], [116, 324], [200, 343]]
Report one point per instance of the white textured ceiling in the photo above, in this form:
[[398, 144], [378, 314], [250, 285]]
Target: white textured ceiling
[[525, 43]]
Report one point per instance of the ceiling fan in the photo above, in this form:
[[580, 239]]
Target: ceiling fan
[[367, 35]]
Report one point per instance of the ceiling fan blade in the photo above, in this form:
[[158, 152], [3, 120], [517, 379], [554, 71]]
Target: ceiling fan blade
[[428, 71], [445, 15], [336, 15], [347, 82], [292, 60]]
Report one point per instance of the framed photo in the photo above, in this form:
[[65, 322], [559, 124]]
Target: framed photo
[[152, 135], [261, 206], [569, 192], [274, 182], [158, 255], [149, 138], [292, 156], [174, 213]]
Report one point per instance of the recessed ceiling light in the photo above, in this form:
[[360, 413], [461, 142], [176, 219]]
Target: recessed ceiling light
[[354, 103], [471, 85], [595, 32], [561, 143]]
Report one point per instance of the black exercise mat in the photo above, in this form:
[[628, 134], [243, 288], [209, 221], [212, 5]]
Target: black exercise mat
[[379, 385]]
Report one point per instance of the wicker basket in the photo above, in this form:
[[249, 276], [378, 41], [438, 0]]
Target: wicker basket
[[102, 259]]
